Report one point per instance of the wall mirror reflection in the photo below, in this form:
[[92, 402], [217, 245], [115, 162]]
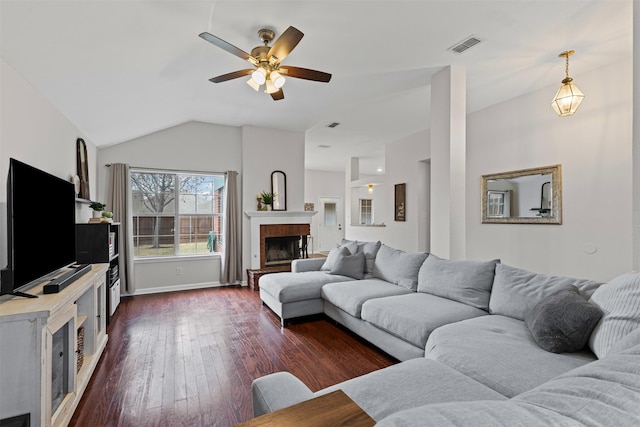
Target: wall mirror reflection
[[279, 190], [527, 196]]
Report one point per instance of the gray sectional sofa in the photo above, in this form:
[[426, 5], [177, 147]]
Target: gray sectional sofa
[[479, 343]]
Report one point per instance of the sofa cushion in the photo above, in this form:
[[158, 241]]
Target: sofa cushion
[[409, 384], [349, 265], [398, 267], [603, 393], [630, 340], [335, 252], [477, 414], [515, 291], [619, 299], [468, 282], [563, 322], [499, 352], [370, 250], [349, 297], [414, 316], [290, 287]]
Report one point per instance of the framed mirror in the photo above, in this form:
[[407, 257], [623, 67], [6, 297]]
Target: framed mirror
[[527, 196], [279, 190]]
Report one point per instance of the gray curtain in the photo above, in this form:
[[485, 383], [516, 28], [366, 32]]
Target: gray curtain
[[232, 239], [119, 202]]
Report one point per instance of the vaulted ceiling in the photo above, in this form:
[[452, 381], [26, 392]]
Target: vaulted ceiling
[[122, 69]]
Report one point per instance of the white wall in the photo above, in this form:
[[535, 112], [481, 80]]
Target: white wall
[[404, 163], [35, 132], [594, 149], [192, 146]]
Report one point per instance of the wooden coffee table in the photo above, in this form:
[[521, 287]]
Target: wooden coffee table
[[329, 410]]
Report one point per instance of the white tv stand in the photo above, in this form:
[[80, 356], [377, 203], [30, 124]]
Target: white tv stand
[[40, 351]]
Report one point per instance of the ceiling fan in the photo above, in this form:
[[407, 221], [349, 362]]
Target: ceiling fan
[[266, 60]]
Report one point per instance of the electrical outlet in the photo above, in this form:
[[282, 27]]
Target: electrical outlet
[[178, 271]]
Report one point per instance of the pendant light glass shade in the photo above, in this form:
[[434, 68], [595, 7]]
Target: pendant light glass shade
[[567, 100], [569, 97]]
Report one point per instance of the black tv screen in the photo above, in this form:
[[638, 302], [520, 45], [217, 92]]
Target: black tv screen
[[41, 217]]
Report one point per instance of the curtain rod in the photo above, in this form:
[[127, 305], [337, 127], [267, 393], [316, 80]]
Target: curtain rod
[[108, 165]]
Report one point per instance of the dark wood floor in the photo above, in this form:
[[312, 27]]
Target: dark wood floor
[[188, 359]]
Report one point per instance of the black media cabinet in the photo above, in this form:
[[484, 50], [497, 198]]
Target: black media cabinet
[[98, 243]]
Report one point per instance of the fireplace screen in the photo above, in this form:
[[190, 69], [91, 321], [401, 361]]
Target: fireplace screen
[[281, 250]]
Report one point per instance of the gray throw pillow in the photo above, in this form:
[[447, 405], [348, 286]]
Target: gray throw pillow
[[515, 291], [349, 265], [619, 299], [563, 322], [398, 267], [352, 247], [370, 250], [468, 282]]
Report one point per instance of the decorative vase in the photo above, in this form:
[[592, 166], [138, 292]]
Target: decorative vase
[[268, 207], [97, 214]]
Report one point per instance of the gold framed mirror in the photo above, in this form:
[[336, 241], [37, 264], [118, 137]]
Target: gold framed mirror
[[526, 196]]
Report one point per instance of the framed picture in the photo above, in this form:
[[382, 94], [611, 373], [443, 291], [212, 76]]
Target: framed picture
[[400, 207]]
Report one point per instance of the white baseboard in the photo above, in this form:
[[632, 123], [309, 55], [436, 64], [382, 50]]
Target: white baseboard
[[175, 288]]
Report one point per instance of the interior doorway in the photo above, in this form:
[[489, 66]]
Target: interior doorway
[[330, 229]]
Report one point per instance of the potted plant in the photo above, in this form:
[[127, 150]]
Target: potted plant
[[267, 199], [97, 209]]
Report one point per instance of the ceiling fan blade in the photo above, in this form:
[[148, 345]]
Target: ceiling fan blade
[[305, 73], [277, 95], [285, 43], [228, 47], [231, 76]]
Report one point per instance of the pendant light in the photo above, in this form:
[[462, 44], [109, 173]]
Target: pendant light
[[569, 97]]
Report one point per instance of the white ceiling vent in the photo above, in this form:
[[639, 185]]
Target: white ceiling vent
[[467, 43]]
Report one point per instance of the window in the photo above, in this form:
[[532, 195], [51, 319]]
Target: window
[[366, 211], [330, 215], [176, 213]]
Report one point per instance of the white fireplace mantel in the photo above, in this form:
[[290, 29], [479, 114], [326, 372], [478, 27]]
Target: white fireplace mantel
[[272, 217], [278, 214]]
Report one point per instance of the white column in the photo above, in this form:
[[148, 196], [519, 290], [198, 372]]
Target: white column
[[448, 163], [635, 135], [352, 173]]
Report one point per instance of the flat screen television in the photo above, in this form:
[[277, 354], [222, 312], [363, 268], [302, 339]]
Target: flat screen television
[[41, 218]]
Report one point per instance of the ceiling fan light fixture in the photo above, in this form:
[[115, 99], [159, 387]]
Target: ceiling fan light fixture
[[277, 79], [259, 76], [266, 60], [253, 84]]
